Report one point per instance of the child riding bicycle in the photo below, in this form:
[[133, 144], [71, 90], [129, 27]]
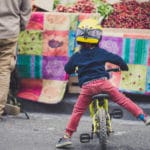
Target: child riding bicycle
[[93, 78]]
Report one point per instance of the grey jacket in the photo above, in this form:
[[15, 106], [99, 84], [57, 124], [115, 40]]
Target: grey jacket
[[14, 16]]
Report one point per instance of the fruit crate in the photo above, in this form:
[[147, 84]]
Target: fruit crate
[[73, 86]]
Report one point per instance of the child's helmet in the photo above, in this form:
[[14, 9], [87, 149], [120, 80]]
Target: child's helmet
[[89, 31]]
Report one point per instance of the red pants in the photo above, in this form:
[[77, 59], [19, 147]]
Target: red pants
[[85, 98]]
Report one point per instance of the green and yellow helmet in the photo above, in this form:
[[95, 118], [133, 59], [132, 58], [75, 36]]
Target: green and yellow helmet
[[89, 31]]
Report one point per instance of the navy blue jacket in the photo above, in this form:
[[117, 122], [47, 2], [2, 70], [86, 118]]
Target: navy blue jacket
[[91, 64]]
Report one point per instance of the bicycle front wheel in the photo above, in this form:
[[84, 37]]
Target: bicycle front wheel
[[102, 128]]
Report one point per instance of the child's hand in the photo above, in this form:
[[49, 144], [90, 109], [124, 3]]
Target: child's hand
[[76, 70]]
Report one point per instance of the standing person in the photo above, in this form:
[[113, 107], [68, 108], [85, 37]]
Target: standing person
[[14, 16], [93, 78]]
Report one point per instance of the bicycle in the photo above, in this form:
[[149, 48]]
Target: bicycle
[[101, 118]]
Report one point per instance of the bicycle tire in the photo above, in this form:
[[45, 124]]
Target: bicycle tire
[[102, 135]]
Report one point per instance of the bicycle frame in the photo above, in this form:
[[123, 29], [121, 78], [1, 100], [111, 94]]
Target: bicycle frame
[[94, 107]]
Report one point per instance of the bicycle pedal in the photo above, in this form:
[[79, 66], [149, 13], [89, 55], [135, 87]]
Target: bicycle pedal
[[85, 138], [117, 113], [110, 132]]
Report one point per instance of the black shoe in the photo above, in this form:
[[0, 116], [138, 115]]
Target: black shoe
[[64, 142]]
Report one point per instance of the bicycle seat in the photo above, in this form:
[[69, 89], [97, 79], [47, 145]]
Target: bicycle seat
[[100, 96]]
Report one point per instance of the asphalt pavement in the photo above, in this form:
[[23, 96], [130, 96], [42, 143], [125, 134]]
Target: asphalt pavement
[[47, 124], [42, 131]]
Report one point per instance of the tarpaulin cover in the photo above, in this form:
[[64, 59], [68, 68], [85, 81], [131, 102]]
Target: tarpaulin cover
[[49, 41]]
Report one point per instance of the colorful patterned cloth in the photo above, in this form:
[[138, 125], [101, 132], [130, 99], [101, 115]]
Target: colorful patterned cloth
[[42, 54], [49, 41], [134, 80]]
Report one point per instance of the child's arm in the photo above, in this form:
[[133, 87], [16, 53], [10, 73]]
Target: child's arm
[[70, 67], [117, 60]]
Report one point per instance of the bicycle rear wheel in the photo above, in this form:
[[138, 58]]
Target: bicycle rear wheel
[[102, 128]]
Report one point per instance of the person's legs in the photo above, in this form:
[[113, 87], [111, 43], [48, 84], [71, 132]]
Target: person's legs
[[121, 99], [7, 51], [80, 107], [85, 98]]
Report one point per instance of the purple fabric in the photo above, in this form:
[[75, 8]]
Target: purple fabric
[[112, 44], [53, 68]]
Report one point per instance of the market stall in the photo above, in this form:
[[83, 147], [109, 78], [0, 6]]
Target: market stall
[[49, 41]]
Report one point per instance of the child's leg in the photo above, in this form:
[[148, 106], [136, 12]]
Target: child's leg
[[122, 100], [80, 107]]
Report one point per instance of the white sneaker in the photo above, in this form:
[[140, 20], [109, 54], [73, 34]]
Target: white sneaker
[[147, 120], [63, 142]]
